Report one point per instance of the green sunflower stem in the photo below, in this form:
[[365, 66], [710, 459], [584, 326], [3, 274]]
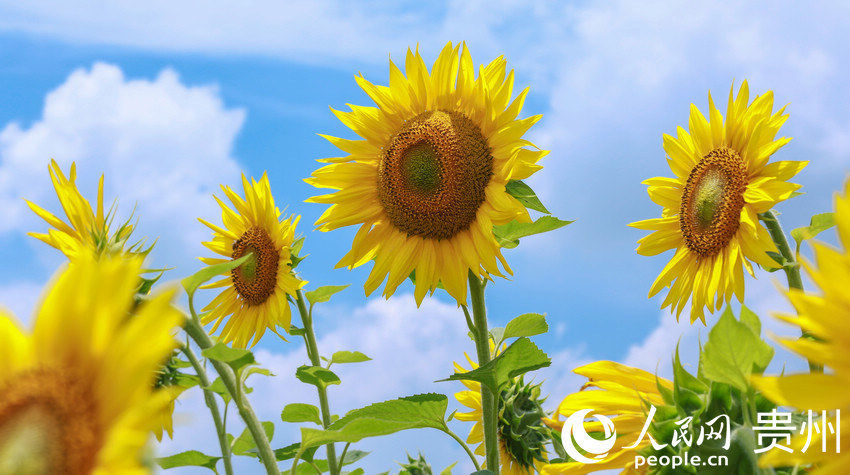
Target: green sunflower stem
[[196, 331], [209, 398], [465, 447], [482, 347], [791, 268], [313, 354]]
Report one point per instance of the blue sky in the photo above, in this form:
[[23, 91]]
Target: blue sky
[[169, 100]]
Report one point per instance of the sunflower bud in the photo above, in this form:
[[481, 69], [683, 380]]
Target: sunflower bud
[[416, 466], [521, 429]]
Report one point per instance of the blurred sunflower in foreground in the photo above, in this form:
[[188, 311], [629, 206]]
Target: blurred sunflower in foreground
[[826, 317], [76, 395], [711, 207], [522, 435], [426, 184], [255, 293], [623, 394], [87, 230]]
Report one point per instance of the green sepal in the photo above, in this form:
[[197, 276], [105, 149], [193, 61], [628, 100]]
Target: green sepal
[[525, 195]]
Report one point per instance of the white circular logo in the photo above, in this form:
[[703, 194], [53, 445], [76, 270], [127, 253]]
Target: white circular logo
[[574, 437]]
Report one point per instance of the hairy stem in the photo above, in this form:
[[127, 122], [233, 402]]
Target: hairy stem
[[196, 331], [209, 398], [482, 347], [465, 447], [313, 354], [791, 268]]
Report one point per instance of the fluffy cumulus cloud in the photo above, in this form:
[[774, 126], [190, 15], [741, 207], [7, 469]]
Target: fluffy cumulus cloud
[[162, 145]]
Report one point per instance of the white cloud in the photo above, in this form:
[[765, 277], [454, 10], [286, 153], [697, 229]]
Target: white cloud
[[306, 30], [162, 145]]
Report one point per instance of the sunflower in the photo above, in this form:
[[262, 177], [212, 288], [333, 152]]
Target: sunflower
[[624, 394], [255, 293], [87, 230], [76, 394], [825, 317], [521, 432], [426, 184], [710, 209]]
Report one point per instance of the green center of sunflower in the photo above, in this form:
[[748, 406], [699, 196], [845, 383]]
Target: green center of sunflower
[[522, 434], [421, 168], [433, 175], [255, 280], [48, 424], [708, 197], [712, 201]]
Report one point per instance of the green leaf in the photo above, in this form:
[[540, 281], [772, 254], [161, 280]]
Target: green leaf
[[219, 388], [300, 412], [234, 357], [186, 381], [682, 378], [751, 320], [353, 456], [525, 195], [191, 458], [349, 357], [528, 324], [195, 280], [508, 235], [448, 470], [323, 294], [521, 357], [779, 259], [733, 352], [295, 331], [818, 223], [288, 452], [256, 370], [317, 376], [382, 418], [244, 444], [687, 389]]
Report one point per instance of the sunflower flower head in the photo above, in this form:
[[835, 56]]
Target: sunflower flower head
[[88, 230], [826, 318], [710, 209], [522, 435], [621, 393], [426, 181], [254, 295], [76, 394]]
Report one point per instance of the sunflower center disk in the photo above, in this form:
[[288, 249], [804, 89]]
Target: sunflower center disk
[[255, 279], [712, 201], [433, 175], [48, 424], [421, 168]]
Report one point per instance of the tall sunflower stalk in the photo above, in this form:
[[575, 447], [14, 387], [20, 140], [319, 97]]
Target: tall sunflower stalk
[[481, 335], [314, 356]]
